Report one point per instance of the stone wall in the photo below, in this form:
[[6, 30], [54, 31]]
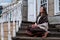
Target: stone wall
[[51, 7], [25, 10]]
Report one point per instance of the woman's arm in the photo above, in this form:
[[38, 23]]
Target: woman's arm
[[34, 25]]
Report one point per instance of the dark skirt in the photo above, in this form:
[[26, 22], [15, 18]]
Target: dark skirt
[[36, 31]]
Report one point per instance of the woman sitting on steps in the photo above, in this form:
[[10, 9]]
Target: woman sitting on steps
[[40, 28]]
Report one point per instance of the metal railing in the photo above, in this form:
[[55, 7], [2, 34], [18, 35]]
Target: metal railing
[[11, 13]]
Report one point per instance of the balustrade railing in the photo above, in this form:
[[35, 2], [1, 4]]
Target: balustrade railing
[[10, 20]]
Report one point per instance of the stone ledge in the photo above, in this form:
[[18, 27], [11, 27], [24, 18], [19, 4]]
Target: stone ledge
[[36, 38]]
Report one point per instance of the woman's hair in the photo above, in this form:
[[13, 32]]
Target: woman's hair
[[44, 9], [1, 7]]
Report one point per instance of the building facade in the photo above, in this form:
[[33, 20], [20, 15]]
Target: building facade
[[24, 9], [33, 8], [30, 10]]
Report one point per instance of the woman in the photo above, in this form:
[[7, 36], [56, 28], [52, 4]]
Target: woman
[[40, 28]]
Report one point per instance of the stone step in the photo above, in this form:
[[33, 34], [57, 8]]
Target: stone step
[[50, 26], [30, 23], [26, 22], [53, 29], [51, 34], [36, 38], [50, 29], [23, 27], [21, 33], [54, 34]]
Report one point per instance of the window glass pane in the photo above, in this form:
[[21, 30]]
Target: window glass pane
[[41, 2], [44, 3], [59, 3], [59, 0], [45, 0], [59, 8]]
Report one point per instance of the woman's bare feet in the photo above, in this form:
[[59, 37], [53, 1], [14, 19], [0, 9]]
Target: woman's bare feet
[[45, 35], [29, 33], [35, 36]]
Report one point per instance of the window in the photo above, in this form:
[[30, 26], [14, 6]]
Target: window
[[25, 2], [45, 4], [56, 7], [45, 0], [59, 5], [41, 1]]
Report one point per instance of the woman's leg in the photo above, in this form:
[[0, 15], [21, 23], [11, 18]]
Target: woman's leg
[[45, 35], [29, 33], [38, 34], [32, 31]]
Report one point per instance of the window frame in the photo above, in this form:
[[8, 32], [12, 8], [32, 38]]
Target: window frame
[[46, 6], [56, 7]]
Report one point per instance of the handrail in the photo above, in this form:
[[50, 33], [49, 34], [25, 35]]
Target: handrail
[[10, 7], [6, 11]]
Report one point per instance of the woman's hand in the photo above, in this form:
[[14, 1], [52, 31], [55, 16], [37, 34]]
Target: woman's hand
[[34, 25]]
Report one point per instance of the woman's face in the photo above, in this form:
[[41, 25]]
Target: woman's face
[[41, 10]]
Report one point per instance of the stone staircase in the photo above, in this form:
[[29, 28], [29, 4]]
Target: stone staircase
[[54, 33]]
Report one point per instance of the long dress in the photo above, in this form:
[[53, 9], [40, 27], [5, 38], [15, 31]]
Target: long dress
[[42, 26]]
